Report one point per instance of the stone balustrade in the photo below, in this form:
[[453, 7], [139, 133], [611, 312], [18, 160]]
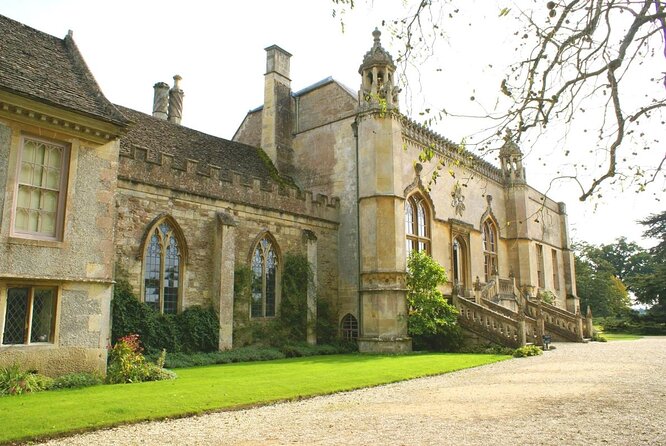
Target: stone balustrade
[[489, 324], [559, 322]]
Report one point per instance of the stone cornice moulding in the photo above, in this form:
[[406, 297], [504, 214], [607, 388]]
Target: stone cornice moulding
[[27, 111]]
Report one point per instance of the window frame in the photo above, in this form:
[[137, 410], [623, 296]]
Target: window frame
[[556, 269], [175, 233], [490, 248], [29, 314], [541, 274], [413, 238], [349, 327], [274, 248], [62, 191]]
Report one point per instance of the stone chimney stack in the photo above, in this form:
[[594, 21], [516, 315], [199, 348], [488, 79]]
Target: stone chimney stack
[[161, 100], [176, 101], [276, 121]]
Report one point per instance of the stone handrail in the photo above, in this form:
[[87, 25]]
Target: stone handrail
[[487, 323], [556, 320], [531, 331]]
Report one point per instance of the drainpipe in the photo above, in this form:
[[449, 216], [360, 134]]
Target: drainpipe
[[358, 232]]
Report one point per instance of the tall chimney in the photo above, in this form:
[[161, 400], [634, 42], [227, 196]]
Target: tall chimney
[[161, 100], [176, 101], [276, 127]]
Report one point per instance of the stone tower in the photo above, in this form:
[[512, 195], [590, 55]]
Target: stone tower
[[383, 304], [511, 161]]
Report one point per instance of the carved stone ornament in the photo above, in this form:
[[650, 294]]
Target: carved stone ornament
[[458, 201]]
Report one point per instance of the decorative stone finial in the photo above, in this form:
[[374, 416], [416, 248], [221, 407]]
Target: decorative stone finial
[[377, 34]]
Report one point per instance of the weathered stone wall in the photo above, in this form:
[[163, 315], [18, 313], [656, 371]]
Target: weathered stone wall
[[254, 211], [323, 105], [81, 331], [249, 132], [325, 160], [80, 265]]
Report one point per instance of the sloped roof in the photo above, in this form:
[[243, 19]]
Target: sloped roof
[[160, 135], [42, 67]]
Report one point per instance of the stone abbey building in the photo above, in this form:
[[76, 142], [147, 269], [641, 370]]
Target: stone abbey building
[[91, 192]]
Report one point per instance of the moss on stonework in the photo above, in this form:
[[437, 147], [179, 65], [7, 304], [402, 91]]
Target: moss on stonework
[[282, 181]]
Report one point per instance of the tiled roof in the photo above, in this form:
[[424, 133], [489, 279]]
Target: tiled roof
[[48, 69], [158, 135]]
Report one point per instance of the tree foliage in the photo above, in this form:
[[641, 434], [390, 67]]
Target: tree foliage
[[650, 287], [597, 283], [591, 67], [429, 313]]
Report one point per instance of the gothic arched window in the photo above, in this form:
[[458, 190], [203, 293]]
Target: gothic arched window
[[489, 234], [417, 225], [264, 278], [163, 267]]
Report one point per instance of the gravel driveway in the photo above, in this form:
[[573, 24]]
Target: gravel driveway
[[578, 394]]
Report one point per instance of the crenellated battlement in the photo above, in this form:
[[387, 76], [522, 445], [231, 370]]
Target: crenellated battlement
[[159, 169], [421, 135]]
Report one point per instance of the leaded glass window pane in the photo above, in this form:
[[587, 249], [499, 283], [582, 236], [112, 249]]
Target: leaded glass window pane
[[421, 220], [171, 277], [43, 309], [271, 264], [257, 283], [153, 268], [264, 280], [409, 218], [16, 316]]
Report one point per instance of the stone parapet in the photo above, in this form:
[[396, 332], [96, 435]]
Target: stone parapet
[[164, 170], [423, 136]]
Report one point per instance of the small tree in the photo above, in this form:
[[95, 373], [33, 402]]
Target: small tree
[[429, 313]]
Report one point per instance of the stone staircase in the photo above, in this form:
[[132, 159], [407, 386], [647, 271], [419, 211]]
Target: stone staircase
[[499, 312]]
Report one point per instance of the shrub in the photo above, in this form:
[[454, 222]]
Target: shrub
[[15, 381], [599, 337], [296, 276], [127, 363], [448, 339], [76, 381], [195, 329], [548, 296], [199, 329], [432, 321], [488, 349], [253, 353], [527, 350]]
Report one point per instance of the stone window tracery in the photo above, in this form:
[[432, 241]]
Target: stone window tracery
[[264, 278], [489, 235], [163, 268], [417, 225]]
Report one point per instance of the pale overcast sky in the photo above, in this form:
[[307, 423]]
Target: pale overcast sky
[[218, 49]]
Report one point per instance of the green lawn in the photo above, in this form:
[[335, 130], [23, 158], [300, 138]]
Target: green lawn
[[216, 387], [621, 336]]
